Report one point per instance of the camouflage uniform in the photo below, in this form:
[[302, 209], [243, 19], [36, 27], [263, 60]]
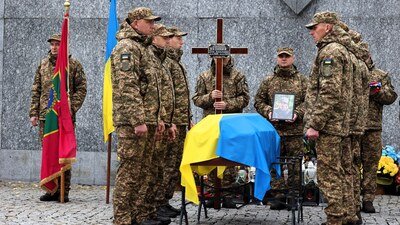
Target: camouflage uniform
[[136, 101], [181, 118], [328, 105], [235, 89], [235, 95], [41, 90], [156, 196], [351, 145], [371, 141], [284, 81]]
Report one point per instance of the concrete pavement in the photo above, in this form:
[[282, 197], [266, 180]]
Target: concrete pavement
[[19, 204]]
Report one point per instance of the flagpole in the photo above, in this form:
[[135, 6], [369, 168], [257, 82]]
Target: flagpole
[[108, 169], [62, 194]]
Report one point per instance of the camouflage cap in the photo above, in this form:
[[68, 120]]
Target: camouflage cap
[[355, 36], [142, 13], [177, 32], [54, 37], [344, 26], [323, 17], [161, 30], [285, 50]]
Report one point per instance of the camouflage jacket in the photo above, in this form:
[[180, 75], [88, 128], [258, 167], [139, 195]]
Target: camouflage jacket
[[235, 90], [43, 82], [167, 87], [359, 108], [135, 82], [182, 112], [385, 96], [330, 89], [281, 81]]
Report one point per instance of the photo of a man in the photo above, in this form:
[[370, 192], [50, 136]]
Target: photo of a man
[[283, 107]]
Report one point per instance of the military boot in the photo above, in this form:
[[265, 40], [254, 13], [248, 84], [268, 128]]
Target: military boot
[[368, 207], [170, 207], [150, 222], [163, 219], [48, 197], [164, 211], [279, 202]]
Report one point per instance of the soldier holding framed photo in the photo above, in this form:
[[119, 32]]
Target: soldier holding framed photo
[[280, 99]]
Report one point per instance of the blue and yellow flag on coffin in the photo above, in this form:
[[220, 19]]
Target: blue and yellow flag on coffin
[[108, 126], [248, 139]]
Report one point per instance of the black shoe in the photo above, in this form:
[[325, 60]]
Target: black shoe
[[150, 222], [368, 207], [359, 221], [66, 199], [277, 205], [170, 207], [323, 223], [228, 203], [164, 211], [164, 220], [48, 197], [209, 203]]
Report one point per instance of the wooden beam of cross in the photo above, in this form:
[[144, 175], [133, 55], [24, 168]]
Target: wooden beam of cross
[[219, 51]]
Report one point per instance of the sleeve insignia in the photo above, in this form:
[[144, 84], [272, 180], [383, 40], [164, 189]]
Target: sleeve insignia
[[125, 62], [326, 69]]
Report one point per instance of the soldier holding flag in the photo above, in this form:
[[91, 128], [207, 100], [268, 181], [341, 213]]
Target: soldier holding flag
[[40, 96]]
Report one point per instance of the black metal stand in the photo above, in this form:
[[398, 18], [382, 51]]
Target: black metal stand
[[294, 193], [183, 209]]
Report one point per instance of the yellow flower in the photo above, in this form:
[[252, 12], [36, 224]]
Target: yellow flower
[[387, 166]]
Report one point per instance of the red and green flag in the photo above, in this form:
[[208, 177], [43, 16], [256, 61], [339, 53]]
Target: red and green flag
[[59, 143]]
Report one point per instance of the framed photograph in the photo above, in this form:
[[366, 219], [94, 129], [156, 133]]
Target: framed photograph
[[283, 106]]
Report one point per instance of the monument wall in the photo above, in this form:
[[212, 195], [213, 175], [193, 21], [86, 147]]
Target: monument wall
[[260, 25]]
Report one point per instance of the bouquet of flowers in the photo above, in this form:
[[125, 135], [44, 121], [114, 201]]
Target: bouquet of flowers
[[388, 165]]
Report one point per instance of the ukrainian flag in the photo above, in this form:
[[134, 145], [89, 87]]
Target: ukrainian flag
[[108, 126], [246, 138]]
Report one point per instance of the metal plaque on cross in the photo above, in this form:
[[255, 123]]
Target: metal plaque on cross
[[219, 50]]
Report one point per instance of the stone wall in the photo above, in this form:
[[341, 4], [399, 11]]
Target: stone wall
[[260, 25]]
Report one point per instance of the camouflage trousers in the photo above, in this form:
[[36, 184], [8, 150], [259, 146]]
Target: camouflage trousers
[[351, 184], [67, 174], [290, 146], [330, 175], [172, 163], [134, 176], [371, 151]]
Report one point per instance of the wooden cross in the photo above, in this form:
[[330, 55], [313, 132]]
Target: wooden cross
[[219, 51]]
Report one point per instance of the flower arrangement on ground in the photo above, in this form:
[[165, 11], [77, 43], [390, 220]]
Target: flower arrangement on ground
[[388, 166]]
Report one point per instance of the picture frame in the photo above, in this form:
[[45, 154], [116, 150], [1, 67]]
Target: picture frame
[[283, 106]]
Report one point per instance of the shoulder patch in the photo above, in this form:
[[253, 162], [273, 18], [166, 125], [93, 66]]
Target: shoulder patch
[[326, 67], [125, 61]]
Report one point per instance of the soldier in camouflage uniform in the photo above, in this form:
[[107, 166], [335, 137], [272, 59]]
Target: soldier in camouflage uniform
[[137, 113], [235, 94], [181, 119], [40, 97], [328, 105], [160, 39], [235, 97], [285, 79], [351, 144], [371, 141]]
